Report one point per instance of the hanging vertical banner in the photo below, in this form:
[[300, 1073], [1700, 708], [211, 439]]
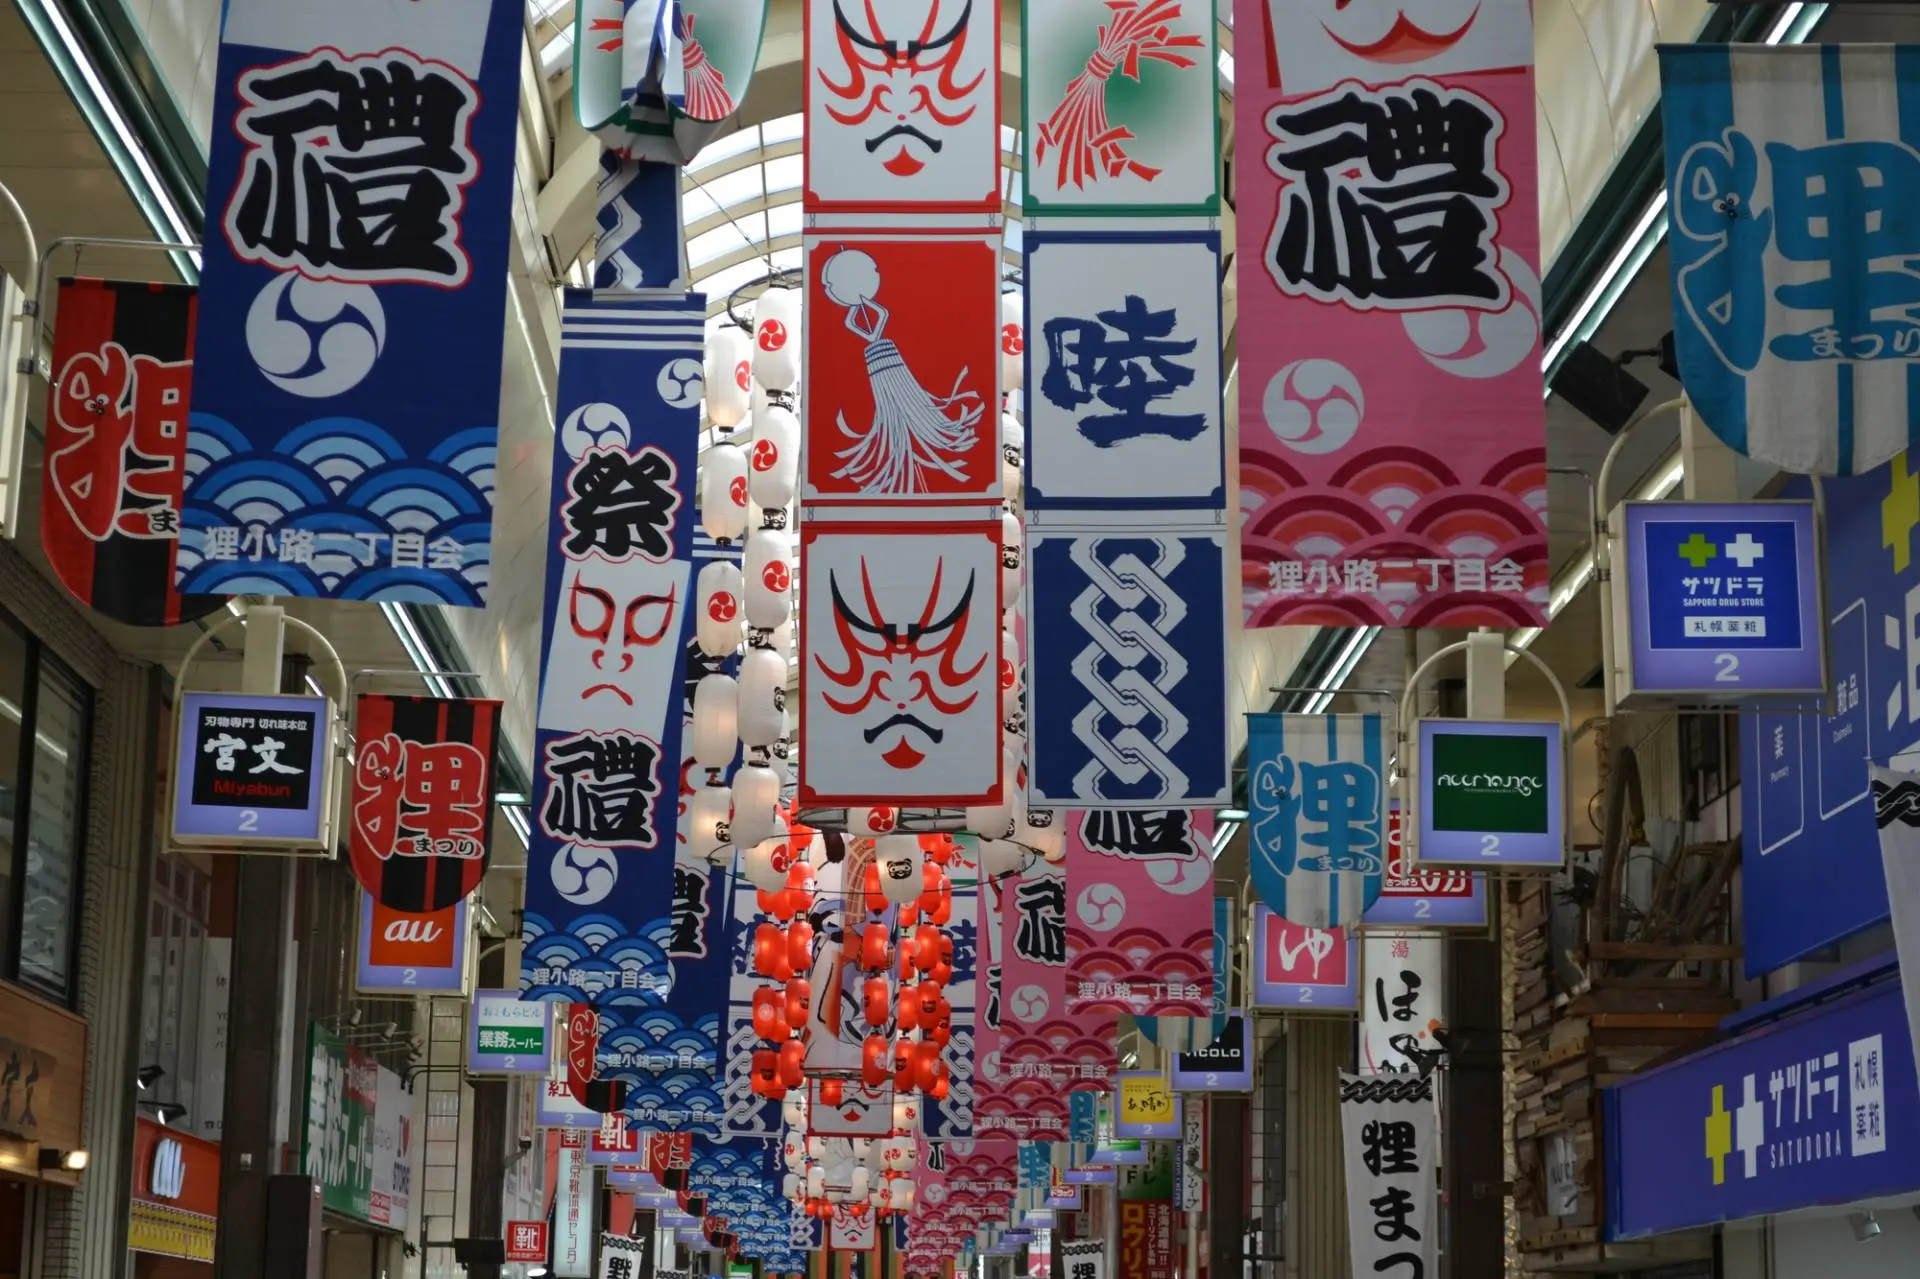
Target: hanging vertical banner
[[600, 889], [1128, 669], [1393, 436], [746, 1113], [1791, 321], [116, 448], [1046, 1056], [1122, 108], [1390, 1128], [1083, 1258], [903, 371], [720, 43], [421, 824], [899, 686], [903, 106], [1403, 1005], [953, 1116], [1317, 826], [359, 194], [1305, 969], [1140, 935], [1123, 398]]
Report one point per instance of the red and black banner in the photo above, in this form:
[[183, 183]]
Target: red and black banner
[[602, 1096], [116, 455], [422, 798]]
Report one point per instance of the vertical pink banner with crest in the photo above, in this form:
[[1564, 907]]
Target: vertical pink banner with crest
[[1140, 925], [1392, 427]]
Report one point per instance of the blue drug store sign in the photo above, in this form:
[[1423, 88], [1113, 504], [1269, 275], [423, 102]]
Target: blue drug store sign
[[1811, 866], [1721, 600], [1821, 1107]]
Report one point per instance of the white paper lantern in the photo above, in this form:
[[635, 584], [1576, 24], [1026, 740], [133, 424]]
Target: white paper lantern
[[896, 1154], [774, 456], [1013, 437], [790, 1187], [723, 492], [756, 794], [716, 721], [710, 810], [1011, 683], [763, 697], [898, 857], [769, 574], [906, 1113], [996, 821], [1001, 857], [872, 821], [902, 1193], [1011, 543], [776, 339], [765, 862], [729, 376], [816, 1182], [1047, 838], [1013, 342], [793, 1148], [857, 1191], [721, 623], [1010, 480], [782, 639]]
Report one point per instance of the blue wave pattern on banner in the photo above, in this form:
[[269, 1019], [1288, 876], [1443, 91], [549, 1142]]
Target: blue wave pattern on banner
[[599, 922], [345, 411]]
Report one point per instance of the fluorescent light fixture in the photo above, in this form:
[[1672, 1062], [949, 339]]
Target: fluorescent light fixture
[[122, 146], [416, 646], [517, 818]]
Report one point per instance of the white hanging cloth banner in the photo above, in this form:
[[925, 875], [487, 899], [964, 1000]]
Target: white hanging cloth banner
[[1391, 1130]]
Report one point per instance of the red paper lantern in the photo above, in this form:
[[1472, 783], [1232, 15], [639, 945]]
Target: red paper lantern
[[926, 947], [833, 1091], [799, 1001], [800, 945], [793, 1061], [770, 953], [879, 997], [870, 884], [874, 951], [903, 1067], [926, 1067], [873, 1061], [770, 1015]]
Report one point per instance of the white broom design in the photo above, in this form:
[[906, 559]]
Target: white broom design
[[915, 433]]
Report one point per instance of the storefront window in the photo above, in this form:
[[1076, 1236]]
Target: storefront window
[[45, 720]]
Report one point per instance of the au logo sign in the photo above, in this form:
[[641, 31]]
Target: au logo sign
[[405, 954]]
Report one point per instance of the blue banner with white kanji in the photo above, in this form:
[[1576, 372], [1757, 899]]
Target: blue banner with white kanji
[[1317, 815], [1127, 673], [353, 300], [1794, 209], [603, 913]]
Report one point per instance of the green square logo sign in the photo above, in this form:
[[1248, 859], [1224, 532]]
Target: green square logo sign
[[1489, 785]]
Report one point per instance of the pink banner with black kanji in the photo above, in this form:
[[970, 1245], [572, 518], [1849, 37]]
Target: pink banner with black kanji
[[1140, 928], [1392, 438]]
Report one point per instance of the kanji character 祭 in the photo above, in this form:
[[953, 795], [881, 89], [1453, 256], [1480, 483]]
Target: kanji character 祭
[[421, 799], [620, 504], [1390, 199], [355, 168]]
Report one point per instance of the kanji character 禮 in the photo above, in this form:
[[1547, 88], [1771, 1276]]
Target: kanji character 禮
[[601, 788], [1390, 198], [355, 168]]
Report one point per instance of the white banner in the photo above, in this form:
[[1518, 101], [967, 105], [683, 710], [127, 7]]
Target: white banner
[[1084, 1259], [392, 1188], [1402, 1007], [1896, 807], [620, 1258], [1391, 1130], [572, 1250]]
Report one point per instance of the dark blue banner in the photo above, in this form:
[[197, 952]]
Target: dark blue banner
[[1811, 874], [346, 406], [601, 912], [1818, 1108]]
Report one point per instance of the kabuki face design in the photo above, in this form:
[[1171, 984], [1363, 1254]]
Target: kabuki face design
[[902, 677], [903, 89], [615, 639]]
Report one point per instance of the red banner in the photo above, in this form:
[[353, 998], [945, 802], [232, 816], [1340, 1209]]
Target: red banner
[[116, 452], [422, 799]]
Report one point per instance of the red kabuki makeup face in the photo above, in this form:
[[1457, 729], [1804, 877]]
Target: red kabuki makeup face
[[901, 678], [900, 88]]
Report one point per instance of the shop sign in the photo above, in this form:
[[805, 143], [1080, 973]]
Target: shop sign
[[254, 772], [176, 1193], [1145, 1106], [342, 1095], [510, 1034], [403, 954], [614, 1142], [1421, 896], [1190, 1173], [1146, 1239], [527, 1241], [1304, 969], [1491, 795], [390, 1197], [1821, 1107], [573, 1216], [1719, 600], [1224, 1065], [1402, 1010], [1811, 871], [559, 1108]]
